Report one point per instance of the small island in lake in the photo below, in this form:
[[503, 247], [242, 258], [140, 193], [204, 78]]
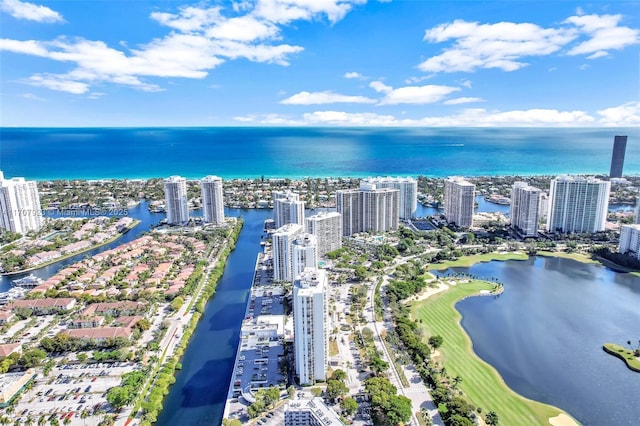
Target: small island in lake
[[631, 357]]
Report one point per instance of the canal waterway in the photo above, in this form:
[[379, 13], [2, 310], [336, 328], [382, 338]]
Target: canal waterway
[[545, 333], [199, 394]]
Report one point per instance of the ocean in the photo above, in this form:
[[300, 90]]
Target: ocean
[[286, 152]]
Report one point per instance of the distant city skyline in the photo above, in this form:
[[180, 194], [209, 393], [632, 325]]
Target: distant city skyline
[[329, 63]]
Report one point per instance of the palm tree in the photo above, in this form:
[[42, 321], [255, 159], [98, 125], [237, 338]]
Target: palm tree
[[83, 415], [29, 420], [41, 421]]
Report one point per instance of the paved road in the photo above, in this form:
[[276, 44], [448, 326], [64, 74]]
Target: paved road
[[417, 391]]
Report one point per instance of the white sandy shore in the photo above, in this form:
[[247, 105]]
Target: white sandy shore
[[562, 420], [429, 292]]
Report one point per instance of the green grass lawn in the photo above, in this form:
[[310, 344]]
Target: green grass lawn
[[481, 382], [579, 257], [466, 261]]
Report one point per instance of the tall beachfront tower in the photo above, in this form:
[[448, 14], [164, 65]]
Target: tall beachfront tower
[[578, 204], [287, 208], [408, 196], [212, 201], [459, 199], [327, 227], [525, 202], [309, 328], [304, 254], [20, 209], [282, 241], [368, 209], [630, 240], [175, 198], [617, 156]]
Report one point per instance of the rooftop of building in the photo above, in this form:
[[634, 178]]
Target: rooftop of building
[[317, 408]]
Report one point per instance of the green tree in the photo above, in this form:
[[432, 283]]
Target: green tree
[[316, 391], [339, 375], [398, 409], [177, 303], [335, 389], [492, 418], [118, 396], [349, 406], [82, 357], [436, 341]]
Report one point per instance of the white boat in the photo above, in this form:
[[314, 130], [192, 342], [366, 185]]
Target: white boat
[[30, 281]]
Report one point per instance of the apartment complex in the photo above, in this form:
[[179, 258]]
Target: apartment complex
[[175, 198], [327, 227], [304, 254], [212, 201], [578, 204], [20, 209], [282, 242], [287, 208], [524, 211], [309, 328], [408, 193], [459, 199], [310, 412], [368, 209], [630, 240]]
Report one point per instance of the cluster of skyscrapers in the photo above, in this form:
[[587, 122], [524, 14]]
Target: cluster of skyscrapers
[[176, 202], [20, 209]]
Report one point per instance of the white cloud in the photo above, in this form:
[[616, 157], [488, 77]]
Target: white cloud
[[504, 45], [414, 80], [624, 115], [354, 75], [349, 119], [627, 114], [411, 94], [32, 97], [30, 11], [58, 83], [499, 45], [201, 38], [584, 67], [605, 34], [462, 100], [598, 54], [466, 83], [245, 118], [328, 97]]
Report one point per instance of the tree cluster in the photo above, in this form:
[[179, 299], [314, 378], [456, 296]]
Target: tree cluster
[[387, 408]]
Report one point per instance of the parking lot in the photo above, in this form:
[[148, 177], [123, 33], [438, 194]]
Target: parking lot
[[69, 390]]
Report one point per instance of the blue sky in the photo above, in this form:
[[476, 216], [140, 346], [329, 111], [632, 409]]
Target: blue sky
[[319, 62]]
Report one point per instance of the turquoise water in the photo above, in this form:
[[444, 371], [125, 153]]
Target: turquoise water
[[93, 153]]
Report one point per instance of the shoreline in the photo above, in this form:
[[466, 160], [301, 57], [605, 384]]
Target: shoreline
[[75, 253], [560, 417]]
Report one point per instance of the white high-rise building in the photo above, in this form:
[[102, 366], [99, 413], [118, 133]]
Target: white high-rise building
[[304, 253], [281, 242], [175, 198], [630, 240], [543, 206], [309, 325], [212, 201], [408, 196], [578, 204], [20, 209], [368, 209], [287, 208], [637, 217], [525, 202], [459, 199], [327, 227]]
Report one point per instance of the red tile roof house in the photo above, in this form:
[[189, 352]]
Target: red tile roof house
[[87, 321], [9, 348], [115, 309], [44, 306], [6, 316]]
